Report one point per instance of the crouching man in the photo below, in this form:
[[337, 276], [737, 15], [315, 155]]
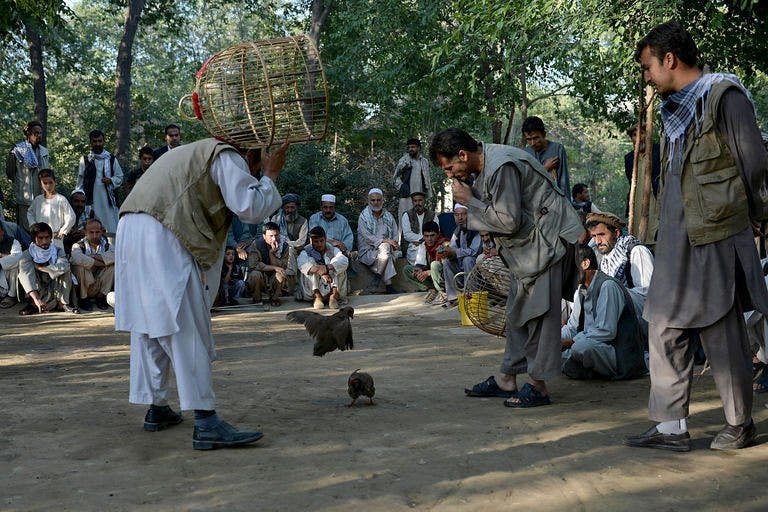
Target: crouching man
[[93, 264], [323, 270], [44, 274], [601, 339]]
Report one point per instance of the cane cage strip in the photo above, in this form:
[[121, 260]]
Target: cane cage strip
[[262, 93], [486, 287]]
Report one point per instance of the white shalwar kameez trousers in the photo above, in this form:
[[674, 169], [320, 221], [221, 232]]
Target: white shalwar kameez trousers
[[163, 296]]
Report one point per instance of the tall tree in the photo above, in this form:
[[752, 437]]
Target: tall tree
[[123, 80]]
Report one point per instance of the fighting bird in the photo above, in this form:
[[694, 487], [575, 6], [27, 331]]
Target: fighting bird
[[360, 383], [330, 332]]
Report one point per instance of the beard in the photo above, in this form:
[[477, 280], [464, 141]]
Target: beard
[[376, 208], [290, 217], [413, 154]]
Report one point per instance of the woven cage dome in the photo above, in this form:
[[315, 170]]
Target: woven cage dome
[[262, 93], [486, 287]]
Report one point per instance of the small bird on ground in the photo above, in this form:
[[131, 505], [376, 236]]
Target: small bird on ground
[[360, 383], [330, 332]]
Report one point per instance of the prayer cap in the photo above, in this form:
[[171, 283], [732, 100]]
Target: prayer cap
[[77, 191], [459, 206], [606, 218], [328, 198], [375, 191], [317, 232], [290, 198]]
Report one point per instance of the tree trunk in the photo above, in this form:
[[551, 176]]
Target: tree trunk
[[490, 104], [508, 133], [642, 228], [633, 184], [35, 43], [523, 101], [123, 81], [320, 11]]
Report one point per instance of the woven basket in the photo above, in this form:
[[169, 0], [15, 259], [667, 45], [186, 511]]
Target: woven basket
[[262, 93]]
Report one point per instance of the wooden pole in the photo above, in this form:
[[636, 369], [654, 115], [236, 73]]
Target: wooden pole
[[633, 182], [642, 227]]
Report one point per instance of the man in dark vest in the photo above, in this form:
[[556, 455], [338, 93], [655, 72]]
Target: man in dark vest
[[602, 336], [515, 198], [707, 270], [412, 222]]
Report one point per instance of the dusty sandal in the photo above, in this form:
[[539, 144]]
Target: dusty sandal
[[528, 396]]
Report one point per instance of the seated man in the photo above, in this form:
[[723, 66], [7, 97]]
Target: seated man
[[82, 214], [295, 228], [489, 247], [267, 263], [10, 255], [232, 279], [625, 258], [44, 274], [460, 255], [602, 337], [51, 208], [427, 271], [93, 264], [336, 226], [412, 223], [323, 270], [376, 240]]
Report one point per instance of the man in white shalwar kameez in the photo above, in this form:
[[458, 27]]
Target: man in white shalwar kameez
[[182, 208], [99, 175]]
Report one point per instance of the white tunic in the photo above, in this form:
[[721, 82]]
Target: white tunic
[[148, 293], [106, 214], [56, 212]]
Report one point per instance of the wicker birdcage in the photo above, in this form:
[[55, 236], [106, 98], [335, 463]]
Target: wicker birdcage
[[484, 295], [262, 93]]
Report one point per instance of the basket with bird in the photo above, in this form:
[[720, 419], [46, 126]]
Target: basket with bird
[[483, 299], [262, 93]]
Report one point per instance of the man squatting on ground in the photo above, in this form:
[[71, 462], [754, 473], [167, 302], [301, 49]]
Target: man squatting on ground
[[707, 269], [183, 207], [323, 270], [516, 198]]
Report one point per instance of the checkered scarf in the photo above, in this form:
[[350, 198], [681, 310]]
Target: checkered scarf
[[687, 105]]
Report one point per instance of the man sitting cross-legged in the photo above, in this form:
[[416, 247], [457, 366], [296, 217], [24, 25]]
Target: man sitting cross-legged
[[10, 255], [323, 270], [44, 274], [93, 264], [602, 337], [267, 262], [376, 238], [427, 271]]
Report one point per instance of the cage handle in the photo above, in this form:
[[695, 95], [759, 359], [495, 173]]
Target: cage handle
[[189, 107]]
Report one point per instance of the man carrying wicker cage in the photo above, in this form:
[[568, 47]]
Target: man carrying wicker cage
[[514, 197]]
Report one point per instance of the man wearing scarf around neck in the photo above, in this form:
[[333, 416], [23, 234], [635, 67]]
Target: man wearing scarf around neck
[[98, 176], [44, 274], [377, 235], [24, 162], [93, 263], [707, 270]]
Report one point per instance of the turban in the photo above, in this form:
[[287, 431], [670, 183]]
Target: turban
[[290, 198]]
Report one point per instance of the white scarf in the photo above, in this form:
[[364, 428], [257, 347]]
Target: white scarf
[[43, 256], [615, 262]]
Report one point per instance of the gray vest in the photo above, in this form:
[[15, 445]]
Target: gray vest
[[548, 219]]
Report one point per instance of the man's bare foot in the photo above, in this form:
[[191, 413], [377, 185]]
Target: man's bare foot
[[506, 382]]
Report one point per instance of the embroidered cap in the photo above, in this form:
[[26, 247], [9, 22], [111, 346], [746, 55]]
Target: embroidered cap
[[375, 191], [459, 206], [328, 198]]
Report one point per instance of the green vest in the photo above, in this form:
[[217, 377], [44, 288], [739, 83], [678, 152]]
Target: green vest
[[179, 192], [714, 196], [548, 219]]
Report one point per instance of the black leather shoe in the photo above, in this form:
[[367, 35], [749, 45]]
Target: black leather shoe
[[161, 418], [86, 304], [652, 438], [735, 438], [101, 303], [223, 435]]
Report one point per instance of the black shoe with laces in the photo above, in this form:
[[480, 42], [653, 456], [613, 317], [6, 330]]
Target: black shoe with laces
[[160, 418], [222, 435]]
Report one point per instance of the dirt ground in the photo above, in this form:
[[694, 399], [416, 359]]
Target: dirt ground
[[69, 440]]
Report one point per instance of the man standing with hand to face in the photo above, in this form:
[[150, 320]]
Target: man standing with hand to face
[[514, 197], [707, 271], [182, 209]]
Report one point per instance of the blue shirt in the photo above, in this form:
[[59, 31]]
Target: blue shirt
[[336, 228]]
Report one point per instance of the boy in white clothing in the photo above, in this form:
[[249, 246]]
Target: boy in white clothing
[[51, 208]]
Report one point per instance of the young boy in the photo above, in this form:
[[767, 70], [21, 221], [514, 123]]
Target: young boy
[[44, 274], [232, 278], [51, 208], [427, 271]]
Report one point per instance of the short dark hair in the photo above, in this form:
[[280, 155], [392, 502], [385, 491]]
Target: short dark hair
[[317, 232], [414, 141], [578, 189], [669, 37], [46, 173], [38, 228], [533, 124], [271, 226], [449, 142], [172, 126], [585, 252], [146, 150], [430, 227], [230, 248], [31, 124], [95, 133]]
